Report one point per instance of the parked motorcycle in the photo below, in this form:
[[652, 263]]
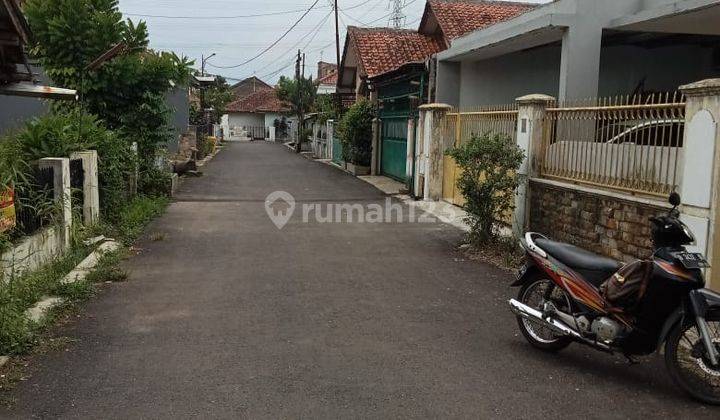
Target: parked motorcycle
[[570, 295]]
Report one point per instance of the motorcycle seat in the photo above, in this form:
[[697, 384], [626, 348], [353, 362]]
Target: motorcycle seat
[[594, 268]]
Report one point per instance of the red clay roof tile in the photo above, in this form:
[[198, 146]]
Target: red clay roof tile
[[259, 102], [460, 17], [381, 50]]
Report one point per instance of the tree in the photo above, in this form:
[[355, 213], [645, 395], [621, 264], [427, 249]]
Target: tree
[[217, 97], [300, 94], [127, 92], [489, 165]]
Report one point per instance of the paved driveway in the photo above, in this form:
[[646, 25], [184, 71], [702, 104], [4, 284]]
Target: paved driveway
[[229, 317]]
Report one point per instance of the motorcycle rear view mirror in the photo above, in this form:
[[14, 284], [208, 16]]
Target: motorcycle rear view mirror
[[674, 199]]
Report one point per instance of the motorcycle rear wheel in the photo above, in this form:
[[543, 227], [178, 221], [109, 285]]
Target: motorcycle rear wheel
[[532, 294], [687, 362]]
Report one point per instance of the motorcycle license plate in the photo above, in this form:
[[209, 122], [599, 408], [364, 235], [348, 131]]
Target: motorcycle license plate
[[691, 260]]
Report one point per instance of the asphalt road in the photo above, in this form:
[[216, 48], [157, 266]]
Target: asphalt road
[[229, 317]]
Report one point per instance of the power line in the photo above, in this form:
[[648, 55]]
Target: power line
[[314, 30], [273, 44], [279, 13], [397, 17]]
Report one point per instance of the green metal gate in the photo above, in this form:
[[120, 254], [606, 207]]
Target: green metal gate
[[337, 151], [398, 99], [394, 146]]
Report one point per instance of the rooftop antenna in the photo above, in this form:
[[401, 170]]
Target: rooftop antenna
[[397, 17]]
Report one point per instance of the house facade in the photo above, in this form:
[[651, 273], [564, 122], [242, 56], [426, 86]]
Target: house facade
[[573, 49], [255, 116]]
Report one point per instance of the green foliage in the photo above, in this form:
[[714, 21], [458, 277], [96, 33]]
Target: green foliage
[[488, 179], [281, 127], [300, 94], [155, 182], [355, 132], [217, 97], [326, 107], [132, 218], [17, 334], [128, 91]]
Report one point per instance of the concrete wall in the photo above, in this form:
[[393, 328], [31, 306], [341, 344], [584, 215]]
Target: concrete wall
[[179, 102], [246, 119], [31, 253], [622, 67], [501, 80]]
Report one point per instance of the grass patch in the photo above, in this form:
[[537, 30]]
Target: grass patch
[[133, 218], [17, 334]]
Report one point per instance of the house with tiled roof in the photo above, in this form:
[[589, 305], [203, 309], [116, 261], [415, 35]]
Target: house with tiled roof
[[451, 19], [247, 87], [573, 49], [327, 78], [395, 67], [255, 116]]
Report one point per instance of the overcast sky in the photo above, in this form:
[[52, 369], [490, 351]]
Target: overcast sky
[[194, 28]]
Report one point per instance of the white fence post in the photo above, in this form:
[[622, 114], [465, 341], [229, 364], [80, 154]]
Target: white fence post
[[61, 188], [91, 193], [701, 171], [530, 129], [434, 146], [330, 137]]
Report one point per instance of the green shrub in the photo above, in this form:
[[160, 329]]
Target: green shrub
[[155, 183], [355, 132], [488, 179]]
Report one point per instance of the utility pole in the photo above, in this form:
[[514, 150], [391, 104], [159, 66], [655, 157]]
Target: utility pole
[[337, 58], [303, 66], [301, 117]]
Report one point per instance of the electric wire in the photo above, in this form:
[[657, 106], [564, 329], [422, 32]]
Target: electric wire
[[297, 22]]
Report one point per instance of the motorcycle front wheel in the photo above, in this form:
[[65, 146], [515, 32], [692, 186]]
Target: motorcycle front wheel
[[533, 294], [687, 362]]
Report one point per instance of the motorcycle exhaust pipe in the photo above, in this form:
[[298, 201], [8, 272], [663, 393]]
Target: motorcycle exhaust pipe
[[534, 315], [557, 326]]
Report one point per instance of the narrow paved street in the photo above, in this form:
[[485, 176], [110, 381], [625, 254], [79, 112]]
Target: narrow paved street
[[229, 317]]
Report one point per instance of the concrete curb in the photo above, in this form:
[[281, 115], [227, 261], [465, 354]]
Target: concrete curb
[[38, 312], [86, 266]]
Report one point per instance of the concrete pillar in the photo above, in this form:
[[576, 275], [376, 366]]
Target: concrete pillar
[[61, 188], [330, 137], [91, 192], [419, 157], [376, 147], [530, 131], [435, 145], [580, 62], [410, 156], [447, 83], [701, 172]]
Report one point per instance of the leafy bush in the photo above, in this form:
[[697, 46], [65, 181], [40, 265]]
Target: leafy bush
[[126, 92], [488, 179], [155, 182], [355, 131]]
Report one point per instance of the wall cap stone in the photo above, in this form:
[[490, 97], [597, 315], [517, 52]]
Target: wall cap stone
[[705, 87], [609, 194], [535, 98], [435, 107]]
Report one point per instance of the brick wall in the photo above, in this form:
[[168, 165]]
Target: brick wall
[[609, 226]]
